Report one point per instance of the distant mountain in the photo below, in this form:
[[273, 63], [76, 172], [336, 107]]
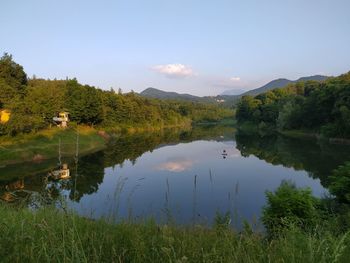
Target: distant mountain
[[315, 77], [160, 94], [226, 99], [279, 83], [223, 100], [232, 92]]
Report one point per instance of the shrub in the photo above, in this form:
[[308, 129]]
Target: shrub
[[289, 205]]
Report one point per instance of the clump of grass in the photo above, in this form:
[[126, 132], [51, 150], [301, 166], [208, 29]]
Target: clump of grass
[[49, 235]]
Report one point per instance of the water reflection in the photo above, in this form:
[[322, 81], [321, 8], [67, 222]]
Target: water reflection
[[318, 158], [11, 191], [61, 173], [175, 165], [184, 175]]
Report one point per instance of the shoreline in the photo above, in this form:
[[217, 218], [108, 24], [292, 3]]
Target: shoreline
[[43, 145], [302, 134], [316, 136]]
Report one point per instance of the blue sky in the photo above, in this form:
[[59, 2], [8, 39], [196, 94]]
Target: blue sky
[[198, 47]]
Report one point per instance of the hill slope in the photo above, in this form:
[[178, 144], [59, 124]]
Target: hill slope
[[160, 94], [225, 99], [222, 100], [278, 83]]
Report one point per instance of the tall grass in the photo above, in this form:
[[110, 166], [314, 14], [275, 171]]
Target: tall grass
[[49, 235]]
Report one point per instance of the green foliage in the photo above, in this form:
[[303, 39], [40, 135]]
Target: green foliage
[[289, 205], [319, 106], [340, 183]]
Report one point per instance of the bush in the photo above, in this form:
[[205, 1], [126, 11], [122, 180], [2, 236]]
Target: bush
[[287, 206]]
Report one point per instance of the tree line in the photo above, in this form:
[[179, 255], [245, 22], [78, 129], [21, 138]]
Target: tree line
[[321, 107], [34, 102]]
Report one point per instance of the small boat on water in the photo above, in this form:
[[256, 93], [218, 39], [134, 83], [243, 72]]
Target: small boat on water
[[224, 154]]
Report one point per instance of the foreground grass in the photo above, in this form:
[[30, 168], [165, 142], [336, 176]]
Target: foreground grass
[[51, 236]]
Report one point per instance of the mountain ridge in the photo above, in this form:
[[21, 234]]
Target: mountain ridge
[[225, 98], [279, 83], [161, 94]]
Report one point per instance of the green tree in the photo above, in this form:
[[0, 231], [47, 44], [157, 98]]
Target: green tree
[[83, 103], [46, 97], [12, 73], [13, 80], [247, 109]]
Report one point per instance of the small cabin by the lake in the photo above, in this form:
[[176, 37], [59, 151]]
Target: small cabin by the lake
[[62, 119], [4, 116]]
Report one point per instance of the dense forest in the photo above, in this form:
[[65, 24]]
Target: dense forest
[[320, 107], [33, 103]]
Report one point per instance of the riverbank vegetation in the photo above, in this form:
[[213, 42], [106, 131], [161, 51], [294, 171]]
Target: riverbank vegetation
[[321, 108], [32, 103]]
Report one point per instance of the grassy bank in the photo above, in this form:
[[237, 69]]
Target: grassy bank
[[51, 236], [44, 144], [135, 128]]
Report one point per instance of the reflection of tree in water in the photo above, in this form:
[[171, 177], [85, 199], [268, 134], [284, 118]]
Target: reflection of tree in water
[[318, 159], [20, 190], [90, 176], [8, 192]]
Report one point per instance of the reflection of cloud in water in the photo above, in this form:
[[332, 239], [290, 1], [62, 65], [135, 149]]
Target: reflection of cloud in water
[[175, 165], [234, 153], [230, 143]]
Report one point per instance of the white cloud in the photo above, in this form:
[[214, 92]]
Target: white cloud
[[228, 83], [174, 70], [235, 79]]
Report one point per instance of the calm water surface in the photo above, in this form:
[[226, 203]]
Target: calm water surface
[[183, 177]]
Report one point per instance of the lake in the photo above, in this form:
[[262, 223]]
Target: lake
[[184, 177]]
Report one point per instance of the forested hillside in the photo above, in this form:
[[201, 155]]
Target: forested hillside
[[32, 103], [321, 107]]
